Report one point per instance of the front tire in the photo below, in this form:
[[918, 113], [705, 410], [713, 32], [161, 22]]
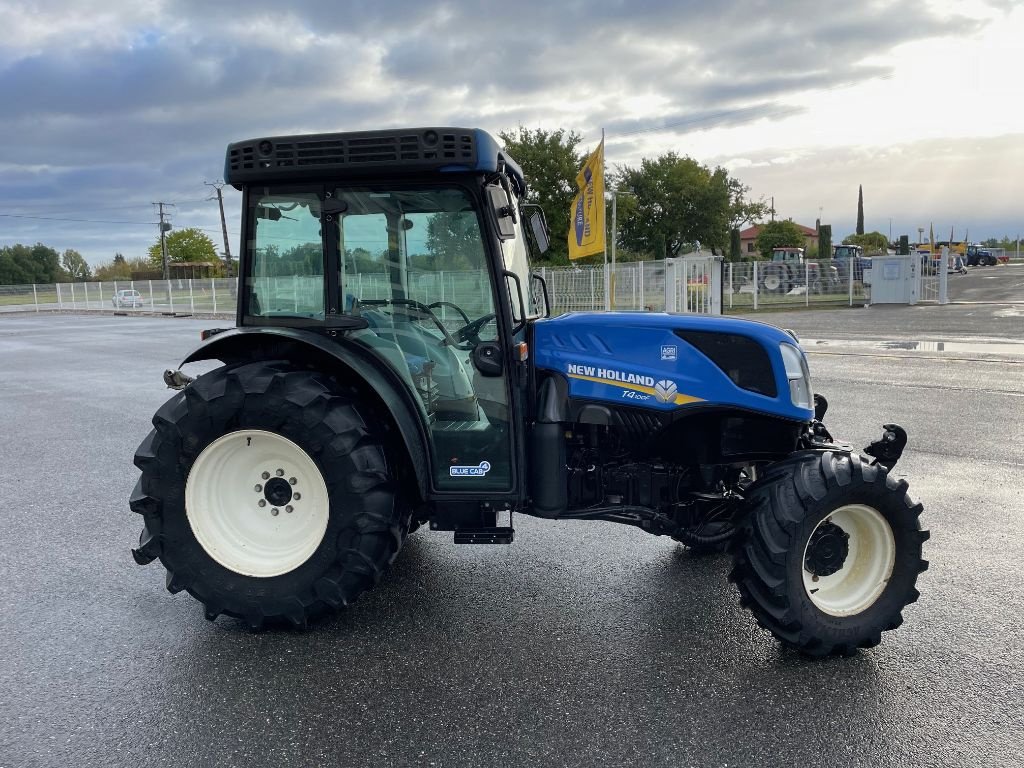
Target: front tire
[[220, 495], [830, 552]]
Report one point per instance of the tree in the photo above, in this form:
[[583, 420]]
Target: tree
[[860, 210], [741, 210], [872, 242], [825, 241], [735, 245], [121, 268], [453, 242], [678, 201], [550, 162], [779, 234], [75, 265], [20, 264], [184, 245]]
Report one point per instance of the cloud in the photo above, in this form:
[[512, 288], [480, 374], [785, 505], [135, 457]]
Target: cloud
[[109, 103]]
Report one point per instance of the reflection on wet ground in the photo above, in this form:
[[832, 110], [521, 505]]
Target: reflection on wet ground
[[971, 347]]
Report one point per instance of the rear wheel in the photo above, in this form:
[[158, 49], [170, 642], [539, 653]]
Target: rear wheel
[[267, 495], [775, 280], [830, 552]]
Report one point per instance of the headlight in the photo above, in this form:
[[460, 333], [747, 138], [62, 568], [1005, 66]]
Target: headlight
[[797, 374]]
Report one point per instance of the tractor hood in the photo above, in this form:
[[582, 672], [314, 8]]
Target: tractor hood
[[668, 361]]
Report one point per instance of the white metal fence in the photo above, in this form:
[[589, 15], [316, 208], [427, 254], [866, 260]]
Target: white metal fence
[[696, 283]]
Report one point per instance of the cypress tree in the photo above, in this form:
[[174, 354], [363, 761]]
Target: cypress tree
[[860, 210]]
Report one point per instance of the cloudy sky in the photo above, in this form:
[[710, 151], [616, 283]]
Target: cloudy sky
[[108, 105]]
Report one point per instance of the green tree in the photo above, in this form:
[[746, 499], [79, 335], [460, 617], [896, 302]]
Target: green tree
[[20, 264], [184, 245], [741, 210], [825, 241], [860, 210], [678, 201], [75, 265], [550, 163], [778, 234], [872, 242], [453, 242]]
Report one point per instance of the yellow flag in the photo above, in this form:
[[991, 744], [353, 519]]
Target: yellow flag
[[586, 235]]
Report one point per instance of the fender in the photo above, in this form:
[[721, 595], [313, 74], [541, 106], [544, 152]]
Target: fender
[[336, 355]]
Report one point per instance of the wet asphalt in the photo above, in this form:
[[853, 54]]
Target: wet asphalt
[[583, 644]]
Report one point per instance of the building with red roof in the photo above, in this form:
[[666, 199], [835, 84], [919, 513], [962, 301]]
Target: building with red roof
[[748, 239]]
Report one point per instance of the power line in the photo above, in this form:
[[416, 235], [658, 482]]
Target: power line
[[85, 221]]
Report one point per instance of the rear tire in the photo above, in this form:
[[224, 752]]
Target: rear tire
[[830, 552], [322, 549]]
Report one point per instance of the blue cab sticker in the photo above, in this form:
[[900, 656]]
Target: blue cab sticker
[[669, 352], [479, 470]]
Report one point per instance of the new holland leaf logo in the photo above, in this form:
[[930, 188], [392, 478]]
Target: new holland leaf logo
[[665, 391]]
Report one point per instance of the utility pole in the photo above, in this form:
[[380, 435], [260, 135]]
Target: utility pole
[[218, 186], [773, 207], [164, 229]]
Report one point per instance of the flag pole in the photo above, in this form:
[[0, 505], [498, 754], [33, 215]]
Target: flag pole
[[609, 278]]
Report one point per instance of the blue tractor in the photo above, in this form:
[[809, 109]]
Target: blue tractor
[[394, 365]]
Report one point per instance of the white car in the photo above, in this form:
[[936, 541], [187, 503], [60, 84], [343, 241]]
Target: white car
[[128, 298]]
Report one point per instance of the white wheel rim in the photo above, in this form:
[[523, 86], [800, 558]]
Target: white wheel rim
[[772, 282], [865, 572], [222, 502]]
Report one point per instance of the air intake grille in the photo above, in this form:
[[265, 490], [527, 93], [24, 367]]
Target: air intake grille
[[288, 156]]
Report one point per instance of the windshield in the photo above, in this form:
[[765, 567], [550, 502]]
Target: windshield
[[420, 250]]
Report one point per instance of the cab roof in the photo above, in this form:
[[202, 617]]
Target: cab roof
[[365, 154]]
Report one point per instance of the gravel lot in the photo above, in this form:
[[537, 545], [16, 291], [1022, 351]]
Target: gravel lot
[[582, 644]]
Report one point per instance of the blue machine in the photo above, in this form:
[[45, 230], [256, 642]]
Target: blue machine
[[382, 378]]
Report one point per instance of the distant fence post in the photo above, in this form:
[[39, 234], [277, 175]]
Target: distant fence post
[[756, 286], [152, 303], [99, 285], [191, 298], [944, 278], [213, 292], [85, 287], [640, 284], [730, 285], [850, 268], [807, 283], [35, 297]]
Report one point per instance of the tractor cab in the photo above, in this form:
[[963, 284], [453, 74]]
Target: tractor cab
[[410, 246], [788, 255]]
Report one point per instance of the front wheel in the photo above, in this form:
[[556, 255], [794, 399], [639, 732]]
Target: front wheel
[[267, 494], [830, 552]]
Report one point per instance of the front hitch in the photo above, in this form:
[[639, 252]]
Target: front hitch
[[889, 448]]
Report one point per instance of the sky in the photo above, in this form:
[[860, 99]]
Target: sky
[[109, 105]]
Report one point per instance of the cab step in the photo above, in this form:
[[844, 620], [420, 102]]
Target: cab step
[[497, 535]]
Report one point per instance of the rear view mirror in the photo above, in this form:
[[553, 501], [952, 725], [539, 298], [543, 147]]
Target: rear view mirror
[[503, 212]]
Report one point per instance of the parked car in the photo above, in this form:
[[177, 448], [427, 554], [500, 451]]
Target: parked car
[[128, 298]]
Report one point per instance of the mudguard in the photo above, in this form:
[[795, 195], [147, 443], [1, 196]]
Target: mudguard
[[339, 354]]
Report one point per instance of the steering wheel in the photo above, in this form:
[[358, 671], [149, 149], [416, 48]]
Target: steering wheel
[[471, 331], [423, 309], [456, 307]]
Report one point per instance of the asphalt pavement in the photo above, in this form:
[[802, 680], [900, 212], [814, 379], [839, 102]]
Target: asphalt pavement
[[582, 644]]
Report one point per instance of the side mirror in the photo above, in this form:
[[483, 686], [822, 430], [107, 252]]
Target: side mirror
[[539, 295], [539, 227], [503, 212]]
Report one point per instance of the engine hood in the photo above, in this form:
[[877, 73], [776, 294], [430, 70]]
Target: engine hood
[[668, 361]]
